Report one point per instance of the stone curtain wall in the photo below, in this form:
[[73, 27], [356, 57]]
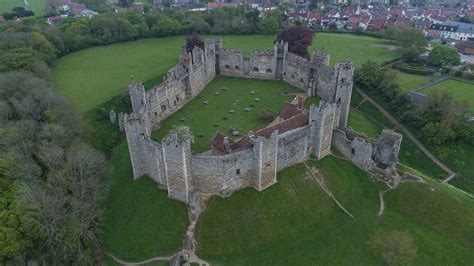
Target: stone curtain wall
[[171, 162]]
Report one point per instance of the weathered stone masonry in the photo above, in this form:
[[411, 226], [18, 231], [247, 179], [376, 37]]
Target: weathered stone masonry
[[254, 160]]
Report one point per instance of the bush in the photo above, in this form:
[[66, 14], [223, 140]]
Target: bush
[[266, 115]]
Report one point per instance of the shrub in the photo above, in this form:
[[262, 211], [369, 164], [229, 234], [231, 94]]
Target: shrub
[[266, 115]]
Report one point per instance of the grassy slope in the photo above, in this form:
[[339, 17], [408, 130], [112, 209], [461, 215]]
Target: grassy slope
[[37, 6], [294, 222], [141, 221], [409, 82], [201, 118], [463, 91]]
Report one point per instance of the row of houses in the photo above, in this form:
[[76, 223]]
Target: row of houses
[[68, 8], [452, 30]]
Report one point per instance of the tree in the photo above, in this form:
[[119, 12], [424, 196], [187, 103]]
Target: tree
[[369, 75], [299, 38], [442, 118], [390, 33], [125, 3], [395, 247], [269, 25], [412, 42], [443, 55], [192, 41]]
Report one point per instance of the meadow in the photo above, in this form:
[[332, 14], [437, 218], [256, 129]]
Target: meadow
[[37, 6], [292, 221], [234, 94], [461, 90]]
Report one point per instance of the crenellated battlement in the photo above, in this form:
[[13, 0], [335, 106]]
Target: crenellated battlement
[[254, 160]]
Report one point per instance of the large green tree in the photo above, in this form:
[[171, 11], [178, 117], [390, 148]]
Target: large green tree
[[443, 55], [412, 42], [395, 247]]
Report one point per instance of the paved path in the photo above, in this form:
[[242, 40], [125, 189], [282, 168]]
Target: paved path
[[407, 133]]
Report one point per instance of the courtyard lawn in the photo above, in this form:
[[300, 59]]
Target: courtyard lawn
[[141, 221], [37, 6], [205, 120], [461, 90], [92, 76], [409, 82], [295, 222]]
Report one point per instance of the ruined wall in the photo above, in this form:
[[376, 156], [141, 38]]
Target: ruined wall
[[263, 65], [223, 174], [231, 63], [293, 147], [326, 83], [296, 70]]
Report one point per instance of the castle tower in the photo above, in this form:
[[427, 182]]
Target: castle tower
[[320, 58], [177, 164], [280, 49], [265, 154], [344, 82], [137, 96], [137, 135], [387, 149], [321, 120]]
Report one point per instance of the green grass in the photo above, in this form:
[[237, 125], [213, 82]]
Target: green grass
[[202, 118], [363, 124], [92, 76], [37, 6], [294, 222], [409, 82], [311, 101], [141, 221], [462, 91]]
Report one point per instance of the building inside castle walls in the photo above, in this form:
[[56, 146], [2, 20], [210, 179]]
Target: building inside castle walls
[[255, 159]]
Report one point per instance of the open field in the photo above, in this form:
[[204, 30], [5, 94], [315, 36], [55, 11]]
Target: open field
[[409, 82], [92, 76], [459, 89], [141, 221], [37, 6], [205, 120], [294, 222]]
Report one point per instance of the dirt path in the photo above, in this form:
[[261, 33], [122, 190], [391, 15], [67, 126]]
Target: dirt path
[[155, 259], [320, 180], [407, 133]]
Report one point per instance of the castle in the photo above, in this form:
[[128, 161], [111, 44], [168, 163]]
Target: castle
[[255, 159]]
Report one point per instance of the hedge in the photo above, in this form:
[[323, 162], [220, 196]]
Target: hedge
[[409, 70]]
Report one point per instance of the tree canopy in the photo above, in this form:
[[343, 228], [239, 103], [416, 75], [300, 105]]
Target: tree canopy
[[443, 55], [299, 38]]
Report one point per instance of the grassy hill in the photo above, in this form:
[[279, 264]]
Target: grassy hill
[[295, 222]]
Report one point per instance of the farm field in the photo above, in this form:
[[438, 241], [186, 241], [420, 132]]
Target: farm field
[[409, 82], [206, 120], [461, 90], [37, 6], [93, 76], [295, 222]]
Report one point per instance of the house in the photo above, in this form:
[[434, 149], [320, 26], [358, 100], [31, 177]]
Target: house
[[376, 25], [442, 31], [466, 47], [88, 13], [465, 31], [352, 22], [54, 20], [422, 24]]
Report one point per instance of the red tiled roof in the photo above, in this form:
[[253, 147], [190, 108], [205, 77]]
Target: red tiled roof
[[289, 110], [212, 5]]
